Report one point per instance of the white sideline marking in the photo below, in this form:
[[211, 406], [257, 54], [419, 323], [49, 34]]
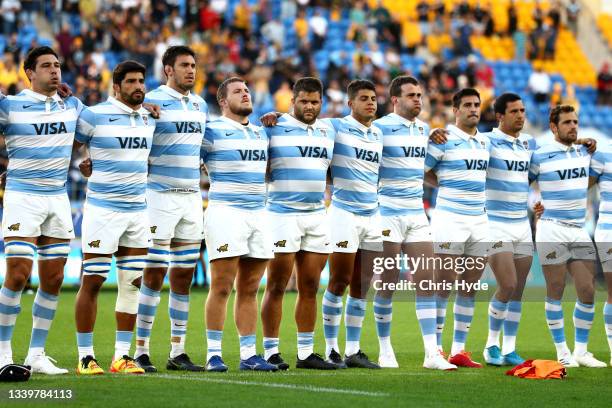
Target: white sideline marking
[[276, 385]]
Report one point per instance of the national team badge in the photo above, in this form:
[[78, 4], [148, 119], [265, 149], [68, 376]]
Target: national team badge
[[324, 132], [421, 130], [257, 134], [482, 143], [526, 144], [196, 105], [145, 120], [61, 104]]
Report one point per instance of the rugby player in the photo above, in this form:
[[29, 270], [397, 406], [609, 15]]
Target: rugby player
[[561, 170], [300, 153], [38, 126], [459, 223], [174, 206], [236, 225], [405, 227], [119, 135]]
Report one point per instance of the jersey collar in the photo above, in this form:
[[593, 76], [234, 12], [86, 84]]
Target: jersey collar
[[41, 97], [175, 94], [120, 105], [295, 122], [354, 122], [403, 120], [564, 148], [462, 135], [235, 124]]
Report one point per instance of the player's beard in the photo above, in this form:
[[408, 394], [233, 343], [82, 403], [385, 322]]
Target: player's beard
[[241, 111], [185, 87], [131, 99], [299, 115]]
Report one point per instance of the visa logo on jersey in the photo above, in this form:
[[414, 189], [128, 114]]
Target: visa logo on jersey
[[517, 165], [414, 151], [133, 142], [476, 164], [51, 128], [253, 155], [367, 155], [188, 127], [568, 174], [316, 152]]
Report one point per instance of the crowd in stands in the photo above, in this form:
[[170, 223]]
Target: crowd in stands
[[271, 43]]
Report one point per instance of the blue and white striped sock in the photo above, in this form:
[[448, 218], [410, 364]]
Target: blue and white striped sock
[[214, 338], [305, 344], [383, 314], [497, 315], [43, 312], [247, 346], [85, 344], [148, 299], [9, 309], [608, 323], [353, 319], [123, 342], [178, 309], [426, 315], [463, 312], [511, 324], [554, 319], [441, 305], [270, 345], [332, 314], [583, 321]]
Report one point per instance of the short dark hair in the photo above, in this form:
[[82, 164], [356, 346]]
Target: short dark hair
[[172, 53], [222, 91], [124, 68], [32, 57], [462, 94], [502, 101], [395, 89], [308, 84], [555, 113], [357, 85]]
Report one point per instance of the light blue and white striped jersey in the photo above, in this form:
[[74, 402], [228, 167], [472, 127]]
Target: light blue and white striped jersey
[[403, 162], [355, 166], [39, 133], [236, 159], [461, 167], [562, 172], [119, 140], [174, 163], [601, 167], [507, 186], [300, 155]]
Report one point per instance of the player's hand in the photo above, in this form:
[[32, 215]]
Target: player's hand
[[538, 210], [590, 144], [86, 167], [153, 109], [64, 90], [439, 136], [269, 119]]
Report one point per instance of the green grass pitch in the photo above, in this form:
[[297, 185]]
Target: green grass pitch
[[409, 385]]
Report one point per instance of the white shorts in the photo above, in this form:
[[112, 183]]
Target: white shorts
[[300, 232], [513, 237], [603, 240], [231, 231], [350, 232], [32, 215], [105, 230], [405, 228], [557, 243], [459, 234], [175, 215]]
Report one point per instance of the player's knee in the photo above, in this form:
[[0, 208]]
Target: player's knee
[[128, 285], [54, 251], [586, 292], [186, 255], [18, 253], [55, 280], [507, 287], [338, 287], [276, 289], [308, 288], [221, 290], [158, 255]]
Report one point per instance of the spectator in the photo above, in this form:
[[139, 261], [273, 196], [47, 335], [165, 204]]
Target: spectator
[[301, 26], [512, 19], [9, 9], [274, 32], [604, 85], [572, 12], [357, 16], [539, 85], [282, 98], [242, 19], [208, 17], [9, 74], [318, 25], [422, 10]]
